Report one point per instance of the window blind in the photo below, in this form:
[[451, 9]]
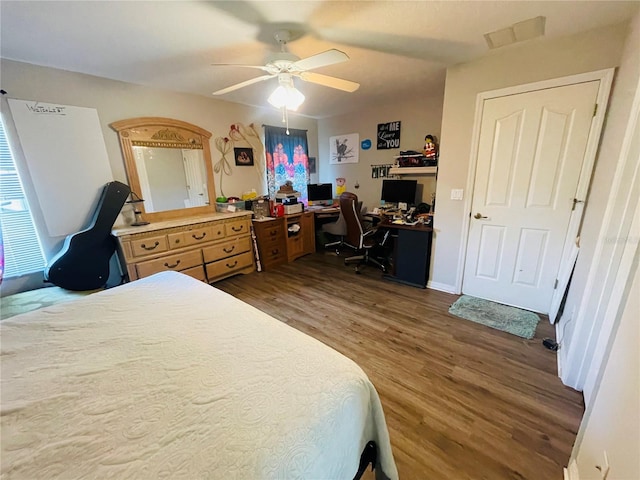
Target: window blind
[[22, 250]]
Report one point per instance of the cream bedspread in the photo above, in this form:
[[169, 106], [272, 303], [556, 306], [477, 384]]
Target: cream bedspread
[[167, 377]]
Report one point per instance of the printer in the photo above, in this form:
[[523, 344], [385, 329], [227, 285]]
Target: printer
[[292, 206], [289, 199]]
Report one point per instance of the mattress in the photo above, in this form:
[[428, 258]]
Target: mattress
[[170, 377]]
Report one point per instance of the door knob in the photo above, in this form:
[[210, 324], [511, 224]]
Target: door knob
[[478, 216]]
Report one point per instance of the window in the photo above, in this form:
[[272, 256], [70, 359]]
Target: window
[[19, 241], [287, 159]]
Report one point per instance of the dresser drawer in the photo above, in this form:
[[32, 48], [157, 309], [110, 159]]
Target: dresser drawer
[[238, 227], [229, 265], [179, 261], [145, 246], [196, 272], [195, 236], [226, 249]]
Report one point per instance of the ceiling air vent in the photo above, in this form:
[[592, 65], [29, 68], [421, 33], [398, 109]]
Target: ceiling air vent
[[518, 32]]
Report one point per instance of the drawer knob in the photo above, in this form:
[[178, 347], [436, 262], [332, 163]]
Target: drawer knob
[[275, 251], [172, 266], [229, 251], [234, 264], [199, 237], [151, 247]]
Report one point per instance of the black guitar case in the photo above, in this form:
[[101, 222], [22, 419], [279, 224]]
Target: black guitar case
[[83, 261]]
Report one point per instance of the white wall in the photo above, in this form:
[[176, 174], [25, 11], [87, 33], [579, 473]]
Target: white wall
[[530, 62], [419, 116], [612, 422], [117, 101]]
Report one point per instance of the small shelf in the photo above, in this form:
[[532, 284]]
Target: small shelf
[[413, 170]]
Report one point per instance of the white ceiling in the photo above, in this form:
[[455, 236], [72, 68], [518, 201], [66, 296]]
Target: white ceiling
[[395, 47]]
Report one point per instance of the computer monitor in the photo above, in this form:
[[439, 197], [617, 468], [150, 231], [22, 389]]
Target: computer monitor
[[320, 193], [399, 191]]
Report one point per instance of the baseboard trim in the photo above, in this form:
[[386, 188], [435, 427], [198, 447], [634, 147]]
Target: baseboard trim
[[560, 354], [442, 287], [571, 472]]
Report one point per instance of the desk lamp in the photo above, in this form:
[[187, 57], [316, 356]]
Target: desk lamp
[[135, 200]]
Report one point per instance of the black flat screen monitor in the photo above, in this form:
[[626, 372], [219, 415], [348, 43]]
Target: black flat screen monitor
[[396, 191], [320, 192]]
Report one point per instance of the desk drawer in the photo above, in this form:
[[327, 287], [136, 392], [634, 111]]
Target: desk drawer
[[295, 247], [238, 227], [146, 246], [273, 257], [179, 261], [271, 242], [273, 232], [223, 250], [229, 265]]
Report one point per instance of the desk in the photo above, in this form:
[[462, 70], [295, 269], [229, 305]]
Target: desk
[[411, 253], [324, 212], [278, 242]]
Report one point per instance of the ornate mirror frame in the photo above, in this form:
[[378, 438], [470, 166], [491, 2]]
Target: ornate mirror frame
[[162, 132]]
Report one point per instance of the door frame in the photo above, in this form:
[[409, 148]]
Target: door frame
[[605, 77]]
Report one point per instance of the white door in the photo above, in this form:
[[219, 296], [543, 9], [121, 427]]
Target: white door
[[196, 184], [530, 155]]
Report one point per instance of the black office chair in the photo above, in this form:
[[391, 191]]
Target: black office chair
[[363, 240], [338, 229]]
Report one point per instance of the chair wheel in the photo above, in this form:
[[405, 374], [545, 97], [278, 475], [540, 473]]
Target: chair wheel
[[358, 272]]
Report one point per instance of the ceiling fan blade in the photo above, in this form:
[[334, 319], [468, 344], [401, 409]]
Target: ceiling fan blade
[[327, 81], [242, 84], [259, 67], [323, 59]]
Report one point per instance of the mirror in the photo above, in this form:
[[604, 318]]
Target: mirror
[[168, 164]]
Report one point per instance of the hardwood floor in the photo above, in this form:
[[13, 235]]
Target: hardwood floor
[[462, 401]]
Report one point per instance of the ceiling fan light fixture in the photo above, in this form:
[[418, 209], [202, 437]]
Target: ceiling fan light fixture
[[286, 95]]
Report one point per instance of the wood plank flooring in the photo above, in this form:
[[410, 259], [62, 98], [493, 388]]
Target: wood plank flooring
[[462, 401]]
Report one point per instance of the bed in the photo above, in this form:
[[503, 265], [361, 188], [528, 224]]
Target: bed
[[167, 377]]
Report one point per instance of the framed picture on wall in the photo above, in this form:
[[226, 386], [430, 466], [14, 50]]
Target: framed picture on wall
[[312, 165], [243, 156], [344, 148]]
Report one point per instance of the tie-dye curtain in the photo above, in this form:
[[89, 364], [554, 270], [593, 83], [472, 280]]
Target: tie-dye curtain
[[287, 159], [1, 255]]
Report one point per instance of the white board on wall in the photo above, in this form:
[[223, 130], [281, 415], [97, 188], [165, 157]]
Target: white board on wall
[[67, 160]]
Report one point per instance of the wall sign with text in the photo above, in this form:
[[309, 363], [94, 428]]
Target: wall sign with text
[[388, 135]]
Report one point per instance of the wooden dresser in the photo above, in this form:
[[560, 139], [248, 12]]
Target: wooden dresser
[[208, 247]]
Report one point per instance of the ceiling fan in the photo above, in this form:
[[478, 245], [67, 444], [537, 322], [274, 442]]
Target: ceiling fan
[[285, 66]]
